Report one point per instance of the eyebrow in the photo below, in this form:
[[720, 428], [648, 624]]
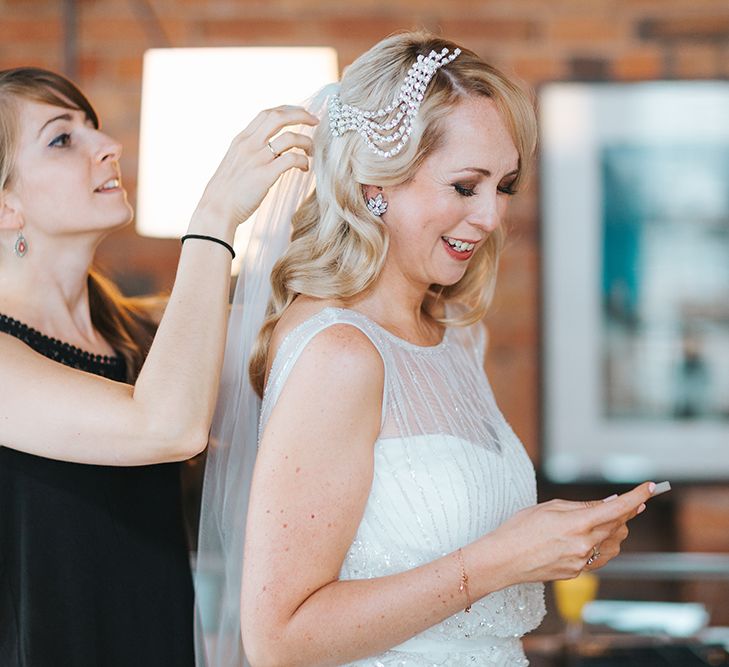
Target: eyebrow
[[487, 173], [63, 116]]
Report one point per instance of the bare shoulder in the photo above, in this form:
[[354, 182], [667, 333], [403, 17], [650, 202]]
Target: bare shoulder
[[340, 355], [298, 312], [345, 347], [340, 341]]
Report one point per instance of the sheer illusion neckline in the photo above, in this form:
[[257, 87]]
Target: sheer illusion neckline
[[28, 333], [406, 344]]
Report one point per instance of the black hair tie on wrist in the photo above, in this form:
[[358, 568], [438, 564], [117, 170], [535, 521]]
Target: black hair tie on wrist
[[209, 238]]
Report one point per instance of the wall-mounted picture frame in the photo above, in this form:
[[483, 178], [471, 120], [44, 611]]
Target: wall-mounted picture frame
[[634, 187]]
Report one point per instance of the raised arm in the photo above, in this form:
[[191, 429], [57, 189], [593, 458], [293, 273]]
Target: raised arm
[[51, 410], [310, 488]]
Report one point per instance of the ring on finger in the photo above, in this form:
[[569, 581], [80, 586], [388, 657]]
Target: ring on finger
[[594, 556], [273, 150]]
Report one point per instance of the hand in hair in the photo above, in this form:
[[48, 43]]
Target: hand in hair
[[166, 415], [256, 158]]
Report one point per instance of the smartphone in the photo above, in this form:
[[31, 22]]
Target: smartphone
[[661, 487]]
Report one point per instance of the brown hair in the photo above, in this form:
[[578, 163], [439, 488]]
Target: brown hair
[[337, 248], [123, 322]]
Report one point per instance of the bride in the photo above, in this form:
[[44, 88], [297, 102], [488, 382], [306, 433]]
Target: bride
[[391, 517]]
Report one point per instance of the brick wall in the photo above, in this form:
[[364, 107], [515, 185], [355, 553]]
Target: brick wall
[[536, 40]]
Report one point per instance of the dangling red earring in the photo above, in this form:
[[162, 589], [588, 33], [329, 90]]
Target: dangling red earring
[[21, 245]]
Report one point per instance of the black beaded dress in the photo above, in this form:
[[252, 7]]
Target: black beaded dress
[[94, 569]]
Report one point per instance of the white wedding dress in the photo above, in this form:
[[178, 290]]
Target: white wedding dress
[[448, 469]]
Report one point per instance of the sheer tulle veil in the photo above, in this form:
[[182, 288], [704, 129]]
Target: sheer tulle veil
[[234, 433]]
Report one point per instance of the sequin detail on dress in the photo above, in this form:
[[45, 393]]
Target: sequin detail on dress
[[447, 470]]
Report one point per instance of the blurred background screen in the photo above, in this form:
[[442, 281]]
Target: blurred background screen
[[635, 231]]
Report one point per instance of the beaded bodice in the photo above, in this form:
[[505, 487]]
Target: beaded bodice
[[447, 470]]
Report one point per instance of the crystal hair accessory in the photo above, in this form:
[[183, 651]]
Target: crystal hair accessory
[[377, 132]]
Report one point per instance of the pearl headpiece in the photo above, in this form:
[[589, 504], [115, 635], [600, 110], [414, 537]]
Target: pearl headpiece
[[378, 133]]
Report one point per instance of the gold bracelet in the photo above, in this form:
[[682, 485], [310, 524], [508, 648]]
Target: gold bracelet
[[463, 588]]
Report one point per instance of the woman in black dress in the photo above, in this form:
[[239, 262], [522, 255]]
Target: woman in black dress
[[93, 562]]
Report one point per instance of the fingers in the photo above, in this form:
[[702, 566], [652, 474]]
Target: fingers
[[608, 548], [274, 120], [288, 140], [286, 115], [280, 149], [572, 533], [595, 503], [622, 508], [561, 505], [283, 156], [251, 166], [288, 161], [567, 505]]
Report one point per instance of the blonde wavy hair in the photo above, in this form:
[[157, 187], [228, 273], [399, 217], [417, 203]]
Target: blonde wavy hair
[[338, 248]]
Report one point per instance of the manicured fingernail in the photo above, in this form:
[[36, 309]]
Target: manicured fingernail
[[609, 498], [652, 487], [641, 508]]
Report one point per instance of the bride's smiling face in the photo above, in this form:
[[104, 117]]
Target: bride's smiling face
[[440, 218]]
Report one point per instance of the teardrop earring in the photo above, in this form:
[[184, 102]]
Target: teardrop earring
[[21, 245]]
